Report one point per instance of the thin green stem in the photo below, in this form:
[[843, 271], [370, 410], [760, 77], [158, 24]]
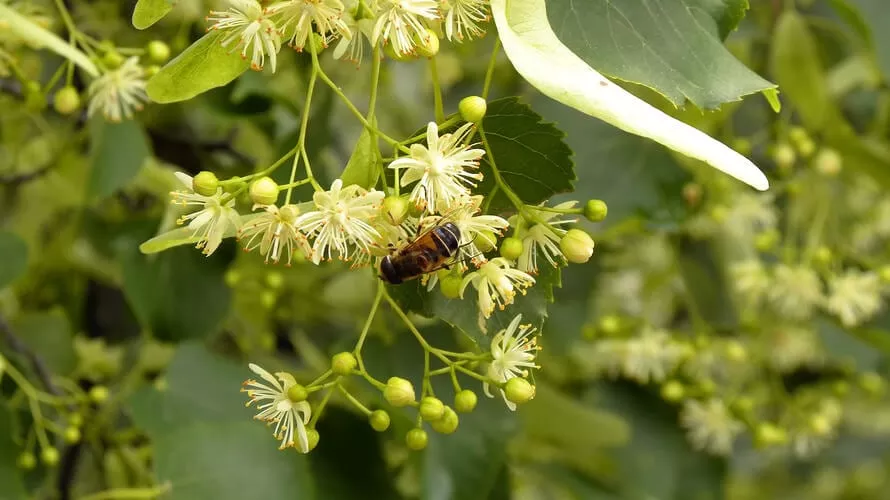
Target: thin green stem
[[471, 373], [321, 405], [364, 409], [437, 91], [294, 184], [301, 140], [426, 346], [565, 211], [489, 73], [499, 180], [372, 107], [321, 378], [129, 493]]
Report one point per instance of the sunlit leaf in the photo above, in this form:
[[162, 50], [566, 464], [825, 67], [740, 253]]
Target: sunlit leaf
[[148, 12], [363, 167], [118, 151]]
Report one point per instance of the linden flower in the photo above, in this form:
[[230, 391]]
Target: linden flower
[[792, 347], [751, 281], [342, 221], [441, 169], [296, 17], [496, 283], [352, 48], [473, 228], [119, 92], [710, 426], [400, 22], [795, 292], [462, 18], [250, 30], [543, 236], [513, 352], [651, 357], [211, 222], [854, 296], [274, 405], [274, 233]]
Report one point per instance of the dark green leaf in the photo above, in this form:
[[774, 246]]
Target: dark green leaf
[[705, 280], [229, 461], [148, 12], [48, 334], [14, 255], [206, 64], [118, 151], [660, 44], [795, 64], [530, 154], [875, 13], [363, 167], [13, 487], [726, 13]]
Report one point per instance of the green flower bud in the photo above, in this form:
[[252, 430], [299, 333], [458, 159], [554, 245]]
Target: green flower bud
[[447, 424], [465, 401], [152, 70], [49, 456], [784, 155], [511, 248], [767, 434], [673, 391], [232, 278], [823, 256], [577, 246], [75, 419], [609, 325], [297, 393], [427, 46], [806, 148], [472, 108], [158, 51], [205, 183], [884, 273], [264, 191], [486, 241], [706, 386], [595, 210], [27, 461], [767, 240], [392, 54], [736, 351], [742, 406], [819, 425], [416, 439], [398, 392], [872, 383], [718, 213], [840, 388], [72, 435], [313, 437], [396, 209], [98, 394], [35, 100], [450, 285], [519, 390], [379, 420], [828, 162], [343, 363], [112, 59], [268, 299], [274, 279], [742, 145], [692, 194], [66, 100], [431, 409], [798, 135], [289, 213], [318, 42]]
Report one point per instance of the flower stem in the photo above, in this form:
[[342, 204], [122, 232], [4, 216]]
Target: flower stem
[[364, 409], [489, 73], [372, 105], [437, 91], [301, 140], [512, 196]]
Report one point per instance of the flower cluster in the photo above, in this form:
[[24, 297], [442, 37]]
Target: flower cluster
[[407, 26]]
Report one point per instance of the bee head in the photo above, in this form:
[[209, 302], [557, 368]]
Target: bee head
[[388, 272]]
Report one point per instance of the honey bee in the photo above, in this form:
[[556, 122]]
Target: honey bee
[[428, 252]]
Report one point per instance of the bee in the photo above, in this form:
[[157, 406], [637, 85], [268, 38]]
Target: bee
[[428, 252]]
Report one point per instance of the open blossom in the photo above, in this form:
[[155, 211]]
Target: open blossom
[[295, 19], [751, 281], [275, 407], [473, 227], [341, 221], [401, 23], [496, 283], [854, 296], [651, 357], [543, 237], [119, 92], [463, 17], [795, 292], [247, 27], [513, 352], [212, 221], [352, 48], [442, 169], [710, 425], [275, 234]]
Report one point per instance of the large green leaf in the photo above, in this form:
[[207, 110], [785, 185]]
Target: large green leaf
[[530, 154], [206, 64], [48, 334], [727, 14], [657, 43], [38, 36], [118, 151], [795, 64], [148, 12], [14, 255]]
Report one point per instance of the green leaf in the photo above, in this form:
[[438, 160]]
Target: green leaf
[[177, 295], [10, 474], [875, 13], [206, 64], [14, 255], [706, 283], [650, 41], [22, 27], [49, 335], [117, 151], [794, 62], [229, 461], [726, 13], [184, 236], [363, 167], [193, 370], [530, 154], [546, 63], [148, 12]]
